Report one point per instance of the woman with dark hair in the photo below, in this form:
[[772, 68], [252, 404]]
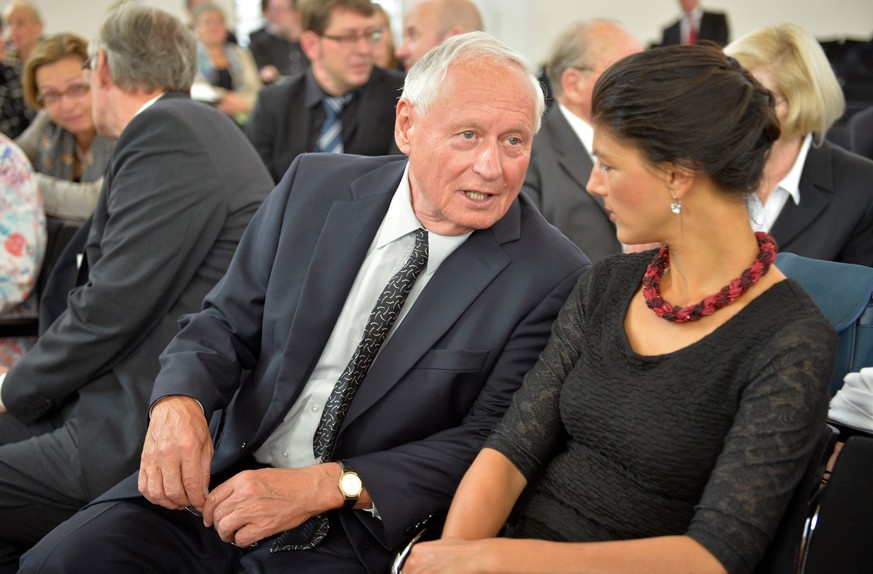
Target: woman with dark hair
[[680, 398]]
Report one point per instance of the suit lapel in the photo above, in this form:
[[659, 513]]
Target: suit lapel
[[342, 245], [453, 288], [572, 155], [816, 187]]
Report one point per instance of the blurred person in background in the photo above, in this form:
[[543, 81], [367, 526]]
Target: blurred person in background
[[25, 30], [22, 244], [67, 153], [228, 68], [384, 50], [430, 22], [276, 46], [814, 198], [15, 116]]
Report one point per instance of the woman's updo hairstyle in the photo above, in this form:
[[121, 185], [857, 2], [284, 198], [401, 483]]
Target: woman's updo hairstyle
[[692, 106]]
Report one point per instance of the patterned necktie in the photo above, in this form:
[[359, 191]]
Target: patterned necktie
[[330, 138], [379, 323], [382, 317]]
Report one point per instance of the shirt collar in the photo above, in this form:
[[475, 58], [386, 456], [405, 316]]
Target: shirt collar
[[791, 182], [313, 94], [580, 127], [148, 104], [400, 220]]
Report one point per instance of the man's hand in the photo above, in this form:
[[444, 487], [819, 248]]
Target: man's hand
[[256, 504], [174, 468], [269, 74]]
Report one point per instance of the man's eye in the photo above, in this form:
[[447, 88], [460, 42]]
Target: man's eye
[[468, 135]]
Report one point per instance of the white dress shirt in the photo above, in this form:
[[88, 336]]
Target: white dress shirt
[[290, 445], [687, 19], [763, 216], [580, 127]]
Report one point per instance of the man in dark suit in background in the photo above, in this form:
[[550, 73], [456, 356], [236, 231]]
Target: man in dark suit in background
[[296, 116], [276, 47], [276, 334], [696, 25], [179, 190], [561, 159]]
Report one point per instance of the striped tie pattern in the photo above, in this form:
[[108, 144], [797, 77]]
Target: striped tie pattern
[[330, 138]]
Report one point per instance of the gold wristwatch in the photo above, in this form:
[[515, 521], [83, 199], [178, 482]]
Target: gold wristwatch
[[349, 484]]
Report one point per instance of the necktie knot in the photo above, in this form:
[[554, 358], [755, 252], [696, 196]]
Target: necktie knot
[[330, 137], [333, 106]]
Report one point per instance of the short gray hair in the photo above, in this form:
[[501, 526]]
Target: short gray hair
[[424, 80], [147, 48]]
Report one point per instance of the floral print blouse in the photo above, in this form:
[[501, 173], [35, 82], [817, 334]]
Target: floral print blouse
[[22, 241]]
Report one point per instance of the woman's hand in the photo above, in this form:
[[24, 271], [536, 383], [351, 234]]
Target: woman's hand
[[451, 555]]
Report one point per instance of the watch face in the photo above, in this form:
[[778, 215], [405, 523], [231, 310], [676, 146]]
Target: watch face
[[350, 484]]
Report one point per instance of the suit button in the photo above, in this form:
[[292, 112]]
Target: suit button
[[243, 446]]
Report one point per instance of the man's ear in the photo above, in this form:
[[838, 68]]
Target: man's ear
[[403, 128], [570, 80], [309, 43], [101, 74]]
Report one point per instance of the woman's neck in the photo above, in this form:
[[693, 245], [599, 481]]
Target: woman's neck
[[704, 261], [84, 139]]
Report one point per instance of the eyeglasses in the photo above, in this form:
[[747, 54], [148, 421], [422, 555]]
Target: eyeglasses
[[349, 40], [86, 65], [73, 92]]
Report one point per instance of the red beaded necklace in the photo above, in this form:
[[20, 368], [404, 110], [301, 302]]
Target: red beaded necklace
[[727, 295]]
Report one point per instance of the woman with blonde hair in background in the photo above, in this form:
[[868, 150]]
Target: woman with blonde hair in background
[[63, 145], [228, 68], [814, 198]]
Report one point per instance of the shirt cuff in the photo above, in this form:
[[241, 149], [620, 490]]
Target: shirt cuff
[[373, 512]]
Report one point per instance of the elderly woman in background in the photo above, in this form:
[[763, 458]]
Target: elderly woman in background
[[684, 390], [814, 198], [62, 142], [228, 68], [25, 30], [22, 244]]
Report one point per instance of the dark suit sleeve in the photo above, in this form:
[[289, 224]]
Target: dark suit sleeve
[[859, 247], [161, 218], [205, 360]]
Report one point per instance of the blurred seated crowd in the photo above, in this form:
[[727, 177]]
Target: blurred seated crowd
[[586, 350]]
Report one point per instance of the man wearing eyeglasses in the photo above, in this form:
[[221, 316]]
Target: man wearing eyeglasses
[[342, 104]]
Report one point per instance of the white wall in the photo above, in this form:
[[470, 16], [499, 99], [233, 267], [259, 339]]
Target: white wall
[[530, 25]]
